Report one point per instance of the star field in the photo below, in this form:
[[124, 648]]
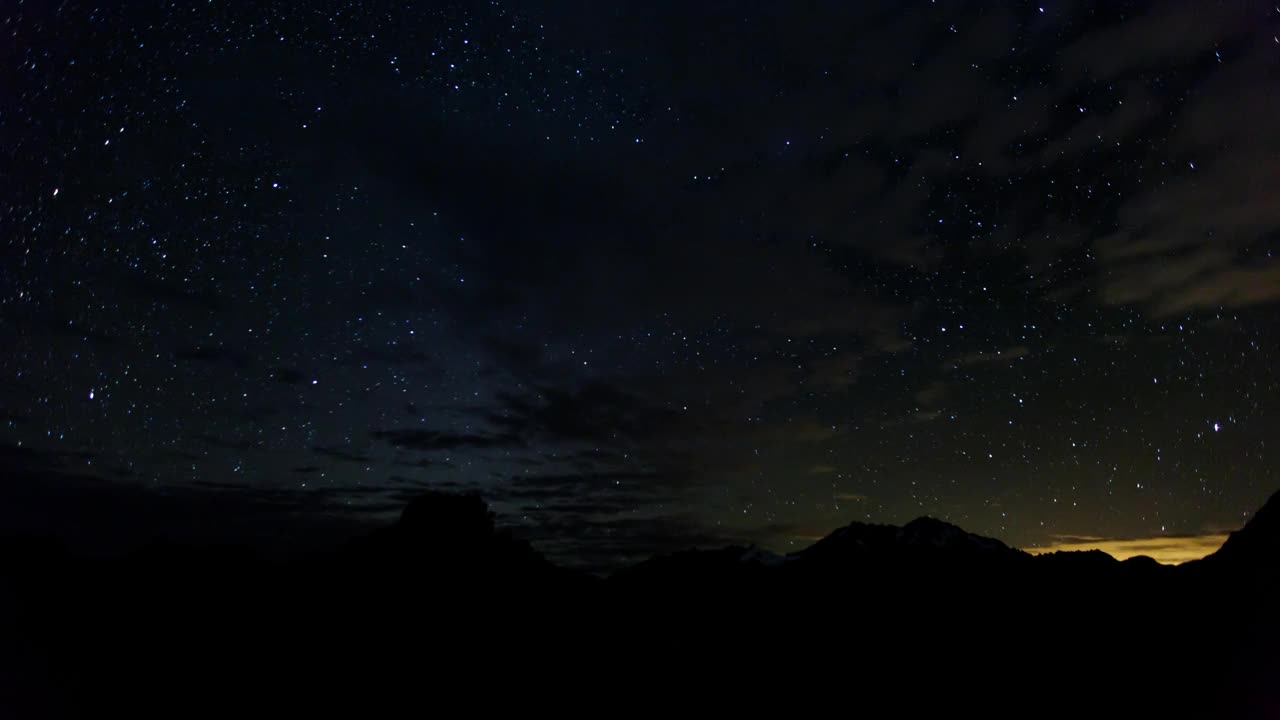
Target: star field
[[645, 275]]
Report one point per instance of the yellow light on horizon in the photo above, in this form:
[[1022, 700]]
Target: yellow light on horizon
[[1165, 549]]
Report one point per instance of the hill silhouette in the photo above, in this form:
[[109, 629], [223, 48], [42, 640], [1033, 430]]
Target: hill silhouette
[[443, 604], [450, 535], [1255, 547]]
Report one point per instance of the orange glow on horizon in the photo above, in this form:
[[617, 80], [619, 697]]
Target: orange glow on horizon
[[1169, 550]]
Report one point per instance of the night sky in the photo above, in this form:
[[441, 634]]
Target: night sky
[[646, 275]]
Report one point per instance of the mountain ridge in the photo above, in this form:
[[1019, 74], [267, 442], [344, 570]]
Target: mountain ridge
[[922, 605], [1257, 541]]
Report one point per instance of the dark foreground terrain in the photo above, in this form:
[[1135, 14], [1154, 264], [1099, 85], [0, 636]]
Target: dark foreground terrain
[[442, 615]]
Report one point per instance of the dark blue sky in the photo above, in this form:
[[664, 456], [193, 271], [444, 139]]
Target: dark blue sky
[[644, 275]]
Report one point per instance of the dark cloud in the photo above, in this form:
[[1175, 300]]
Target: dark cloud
[[583, 460], [596, 412], [397, 353], [1194, 239], [439, 483], [605, 544], [228, 443], [425, 463], [341, 454], [577, 484], [429, 440], [978, 105], [221, 485]]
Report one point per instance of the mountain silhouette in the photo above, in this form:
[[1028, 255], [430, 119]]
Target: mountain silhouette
[[1255, 546], [445, 599], [920, 539]]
